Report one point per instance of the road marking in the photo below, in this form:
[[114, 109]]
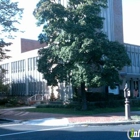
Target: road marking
[[18, 113], [25, 113], [25, 132]]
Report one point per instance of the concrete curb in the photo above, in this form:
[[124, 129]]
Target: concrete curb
[[65, 122], [104, 124]]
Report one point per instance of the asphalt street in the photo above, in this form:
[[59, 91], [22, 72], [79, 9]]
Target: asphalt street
[[83, 132]]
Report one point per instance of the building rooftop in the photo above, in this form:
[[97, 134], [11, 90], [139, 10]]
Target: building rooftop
[[28, 45]]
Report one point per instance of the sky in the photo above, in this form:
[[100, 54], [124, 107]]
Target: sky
[[131, 20], [28, 22]]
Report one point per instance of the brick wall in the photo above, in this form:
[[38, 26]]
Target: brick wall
[[28, 45]]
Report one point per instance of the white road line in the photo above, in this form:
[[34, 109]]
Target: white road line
[[25, 132], [25, 113], [19, 113]]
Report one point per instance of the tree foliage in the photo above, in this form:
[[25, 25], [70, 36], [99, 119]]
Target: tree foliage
[[10, 15], [78, 51], [4, 85]]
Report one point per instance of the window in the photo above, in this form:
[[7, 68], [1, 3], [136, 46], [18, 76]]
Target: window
[[12, 68], [34, 63], [22, 68], [16, 67], [136, 59], [59, 1], [133, 59], [23, 65], [29, 64]]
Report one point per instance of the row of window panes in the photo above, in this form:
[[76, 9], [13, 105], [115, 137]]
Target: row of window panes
[[18, 89], [18, 66], [32, 63], [134, 58], [34, 88]]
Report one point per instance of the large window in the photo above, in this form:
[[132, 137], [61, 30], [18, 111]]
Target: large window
[[32, 63], [137, 59], [133, 59], [18, 66]]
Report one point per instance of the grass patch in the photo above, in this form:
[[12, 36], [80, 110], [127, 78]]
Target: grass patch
[[68, 111], [2, 107], [71, 111]]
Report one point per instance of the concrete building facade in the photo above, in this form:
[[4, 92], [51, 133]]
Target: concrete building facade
[[23, 76]]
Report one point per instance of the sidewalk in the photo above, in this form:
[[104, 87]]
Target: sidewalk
[[49, 119]]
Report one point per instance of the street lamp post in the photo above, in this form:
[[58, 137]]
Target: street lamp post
[[127, 105]]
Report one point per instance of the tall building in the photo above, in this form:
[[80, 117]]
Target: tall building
[[22, 67]]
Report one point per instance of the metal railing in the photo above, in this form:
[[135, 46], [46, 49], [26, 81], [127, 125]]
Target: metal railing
[[38, 98]]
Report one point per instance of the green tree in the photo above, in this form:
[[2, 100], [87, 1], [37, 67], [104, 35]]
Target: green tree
[[10, 15], [4, 85], [77, 49]]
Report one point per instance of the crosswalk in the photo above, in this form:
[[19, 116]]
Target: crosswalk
[[13, 113]]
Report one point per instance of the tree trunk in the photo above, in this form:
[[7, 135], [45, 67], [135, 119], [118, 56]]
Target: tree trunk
[[83, 94]]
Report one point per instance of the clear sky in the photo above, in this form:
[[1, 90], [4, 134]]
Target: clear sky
[[131, 20], [28, 23]]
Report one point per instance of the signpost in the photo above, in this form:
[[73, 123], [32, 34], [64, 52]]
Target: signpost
[[127, 106]]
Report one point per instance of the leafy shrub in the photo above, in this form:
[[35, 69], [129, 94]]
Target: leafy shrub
[[135, 102], [70, 105], [13, 101], [50, 106], [109, 104], [92, 105], [114, 103], [97, 96], [3, 101]]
